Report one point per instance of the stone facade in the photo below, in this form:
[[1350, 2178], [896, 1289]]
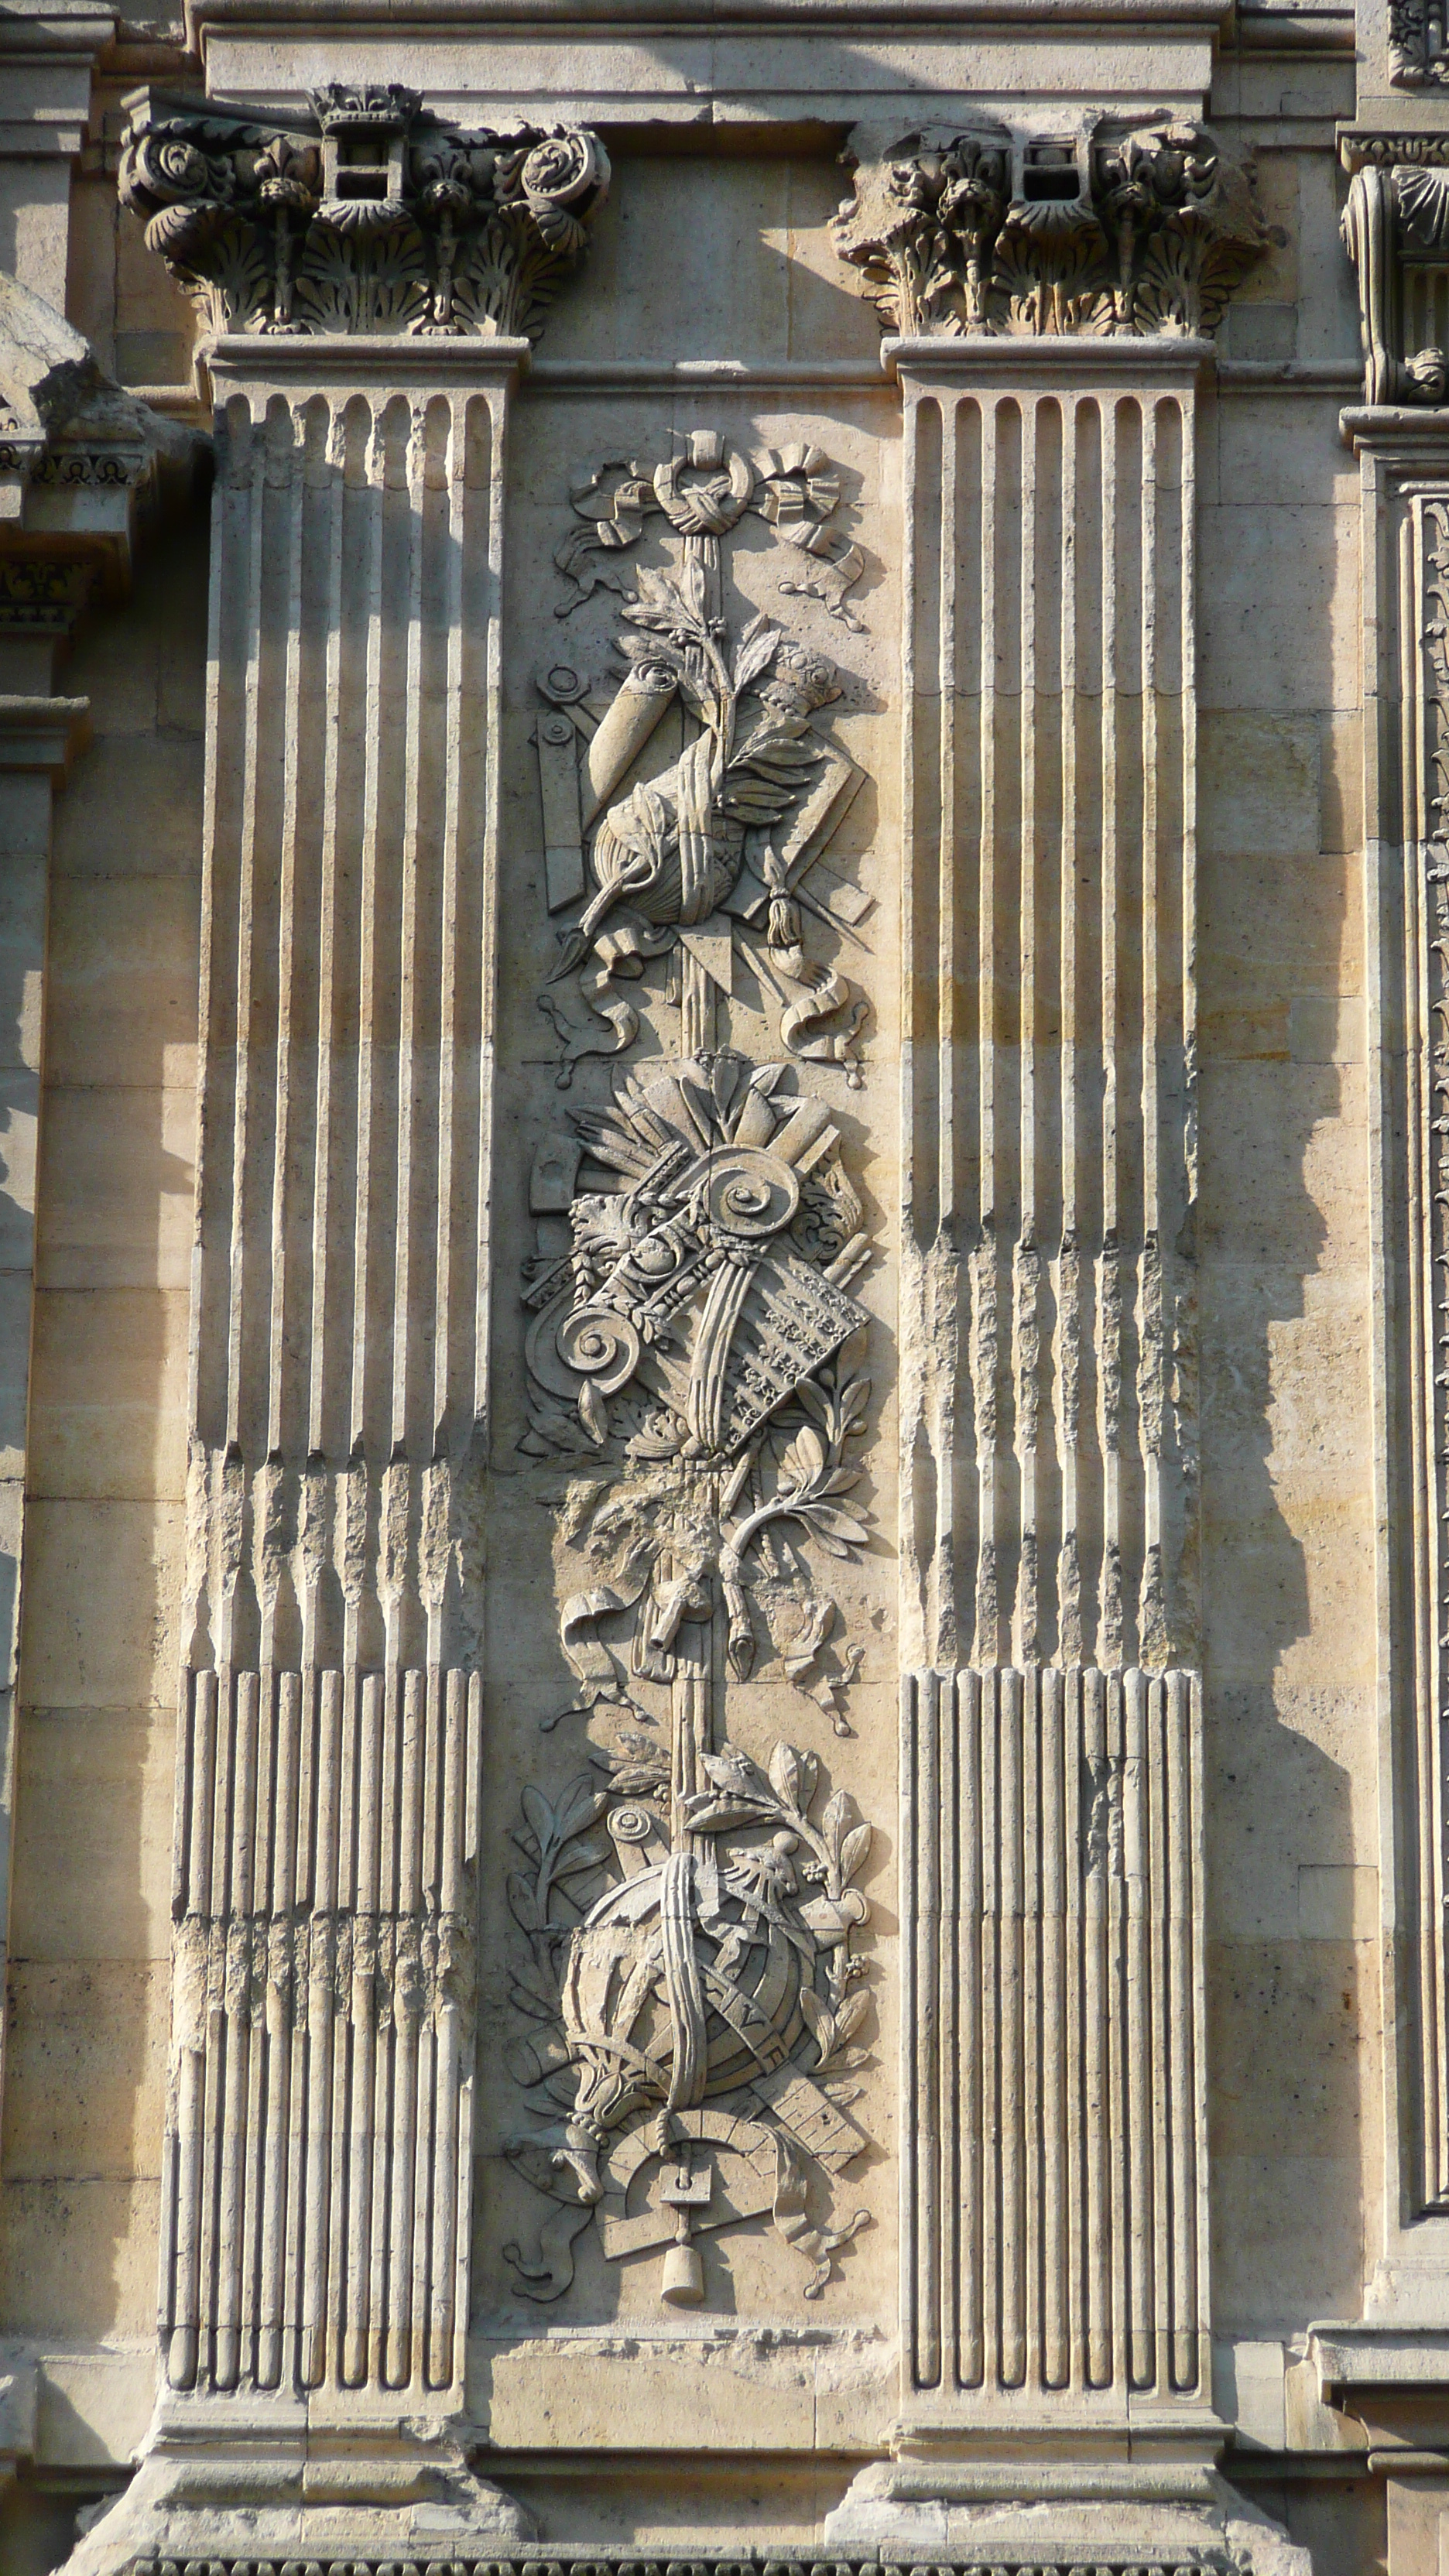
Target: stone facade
[[725, 950]]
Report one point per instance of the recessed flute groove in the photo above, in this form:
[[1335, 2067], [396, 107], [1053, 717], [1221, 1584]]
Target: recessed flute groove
[[318, 2157], [1054, 2188], [1049, 1120], [318, 2146]]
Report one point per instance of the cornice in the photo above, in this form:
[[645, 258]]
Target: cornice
[[320, 360], [1056, 17], [84, 28], [42, 734], [1407, 441], [1039, 364]]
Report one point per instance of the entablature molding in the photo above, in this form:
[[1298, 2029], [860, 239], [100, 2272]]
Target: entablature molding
[[791, 74]]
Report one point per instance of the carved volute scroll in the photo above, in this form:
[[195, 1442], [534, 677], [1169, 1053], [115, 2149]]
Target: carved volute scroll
[[1100, 230], [1396, 231], [687, 2002], [369, 216]]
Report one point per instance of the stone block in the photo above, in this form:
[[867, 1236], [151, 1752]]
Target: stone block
[[132, 807], [1258, 784], [93, 1875], [101, 1604], [85, 2068], [107, 1409], [118, 1189], [1292, 2006], [121, 997], [1338, 1901], [1342, 772], [1287, 2239], [78, 2258], [94, 2407], [1284, 1166], [1281, 611]]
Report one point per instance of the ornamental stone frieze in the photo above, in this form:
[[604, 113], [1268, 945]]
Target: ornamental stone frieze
[[1109, 230], [369, 215]]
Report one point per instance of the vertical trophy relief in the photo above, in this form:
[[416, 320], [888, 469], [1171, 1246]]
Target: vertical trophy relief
[[688, 2008]]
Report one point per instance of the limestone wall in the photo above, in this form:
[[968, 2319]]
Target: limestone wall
[[1094, 2208]]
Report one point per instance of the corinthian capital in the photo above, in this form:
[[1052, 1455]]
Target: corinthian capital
[[1108, 230], [368, 215]]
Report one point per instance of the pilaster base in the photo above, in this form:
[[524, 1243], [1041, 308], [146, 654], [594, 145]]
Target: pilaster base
[[277, 2480], [1031, 2496]]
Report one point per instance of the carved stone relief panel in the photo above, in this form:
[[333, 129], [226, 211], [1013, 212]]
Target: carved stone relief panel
[[1417, 49], [689, 2012]]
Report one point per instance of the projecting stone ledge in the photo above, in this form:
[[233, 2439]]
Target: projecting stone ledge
[[259, 2484]]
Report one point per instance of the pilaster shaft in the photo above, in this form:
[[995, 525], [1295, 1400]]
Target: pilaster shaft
[[318, 2155], [1054, 2183]]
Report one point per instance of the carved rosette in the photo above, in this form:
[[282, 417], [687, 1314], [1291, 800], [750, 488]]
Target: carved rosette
[[1144, 231], [373, 216]]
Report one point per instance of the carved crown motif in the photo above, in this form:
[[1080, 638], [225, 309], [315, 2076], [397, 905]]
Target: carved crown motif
[[385, 103]]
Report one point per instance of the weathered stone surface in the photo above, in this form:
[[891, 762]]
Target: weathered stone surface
[[721, 1445]]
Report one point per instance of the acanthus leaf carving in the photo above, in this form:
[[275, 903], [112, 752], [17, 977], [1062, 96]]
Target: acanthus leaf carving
[[1148, 230], [374, 217]]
